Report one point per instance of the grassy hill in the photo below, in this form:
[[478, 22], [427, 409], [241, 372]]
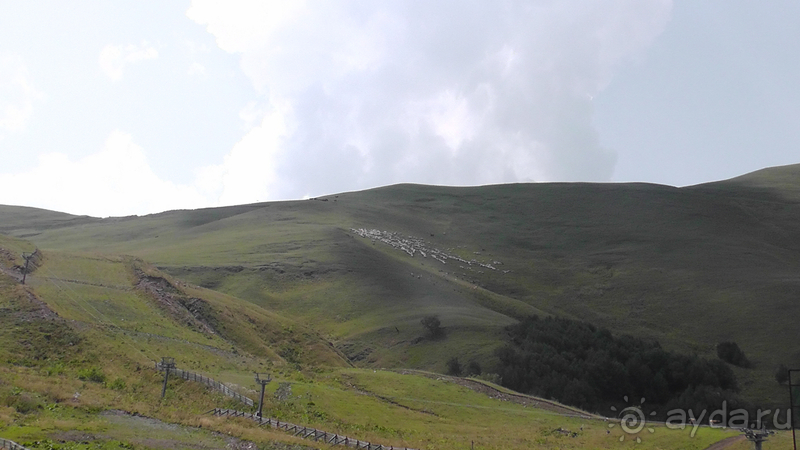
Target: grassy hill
[[691, 266], [78, 343]]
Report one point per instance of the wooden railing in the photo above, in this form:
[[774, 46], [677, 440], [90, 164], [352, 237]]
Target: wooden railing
[[297, 430], [10, 445], [306, 432], [213, 384]]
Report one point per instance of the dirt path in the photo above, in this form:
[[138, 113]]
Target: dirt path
[[520, 399], [155, 434], [725, 443]]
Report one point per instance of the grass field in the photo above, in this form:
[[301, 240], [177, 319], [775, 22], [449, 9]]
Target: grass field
[[104, 326], [289, 285]]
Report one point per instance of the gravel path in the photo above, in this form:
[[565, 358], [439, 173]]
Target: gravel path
[[725, 443]]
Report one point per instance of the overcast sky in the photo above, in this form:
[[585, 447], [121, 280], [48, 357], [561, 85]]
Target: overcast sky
[[135, 107]]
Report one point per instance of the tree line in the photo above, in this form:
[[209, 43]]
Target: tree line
[[579, 364]]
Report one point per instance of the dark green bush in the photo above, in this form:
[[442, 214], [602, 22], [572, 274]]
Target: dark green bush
[[782, 374], [92, 374], [118, 384], [454, 367], [433, 326], [473, 368], [731, 353], [56, 368]]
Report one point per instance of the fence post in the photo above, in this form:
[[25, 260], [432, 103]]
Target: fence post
[[263, 382], [167, 363]]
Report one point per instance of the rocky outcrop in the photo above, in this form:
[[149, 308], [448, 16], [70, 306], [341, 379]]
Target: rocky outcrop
[[193, 312]]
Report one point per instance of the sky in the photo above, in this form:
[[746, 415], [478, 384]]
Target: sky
[[137, 107]]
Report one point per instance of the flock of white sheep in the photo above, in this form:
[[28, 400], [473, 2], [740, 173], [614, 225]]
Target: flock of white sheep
[[413, 245]]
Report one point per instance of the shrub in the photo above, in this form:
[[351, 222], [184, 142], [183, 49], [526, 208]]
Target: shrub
[[473, 368], [92, 374], [731, 353], [22, 402], [290, 353], [118, 384], [433, 325], [490, 377], [54, 369], [454, 367], [782, 374]]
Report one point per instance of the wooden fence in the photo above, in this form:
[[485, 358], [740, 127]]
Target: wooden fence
[[10, 445], [191, 376], [305, 432], [297, 430]]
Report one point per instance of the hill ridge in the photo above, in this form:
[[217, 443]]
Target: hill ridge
[[689, 266]]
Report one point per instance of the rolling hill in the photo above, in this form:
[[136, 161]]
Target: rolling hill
[[79, 339], [690, 267]]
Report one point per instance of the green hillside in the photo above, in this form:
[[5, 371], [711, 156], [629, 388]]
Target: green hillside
[[774, 181], [690, 267], [78, 342]]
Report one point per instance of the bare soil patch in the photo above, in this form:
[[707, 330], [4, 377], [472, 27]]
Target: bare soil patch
[[193, 312]]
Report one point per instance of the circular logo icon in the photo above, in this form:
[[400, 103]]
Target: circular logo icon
[[632, 420]]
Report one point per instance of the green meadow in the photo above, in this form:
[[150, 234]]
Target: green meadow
[[297, 289], [110, 328]]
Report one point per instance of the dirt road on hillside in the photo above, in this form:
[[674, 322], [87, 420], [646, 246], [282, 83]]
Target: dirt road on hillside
[[517, 398], [725, 443]]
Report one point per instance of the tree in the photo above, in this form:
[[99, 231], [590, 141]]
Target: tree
[[782, 374], [474, 368], [454, 367], [731, 353], [433, 325], [578, 363]]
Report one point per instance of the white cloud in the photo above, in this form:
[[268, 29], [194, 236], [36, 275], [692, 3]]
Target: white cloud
[[247, 173], [114, 58], [197, 70], [252, 114], [239, 25], [17, 94], [449, 115], [445, 92], [115, 181]]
